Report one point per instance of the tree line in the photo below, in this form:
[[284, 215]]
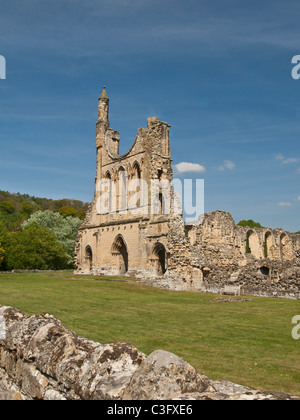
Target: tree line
[[16, 208]]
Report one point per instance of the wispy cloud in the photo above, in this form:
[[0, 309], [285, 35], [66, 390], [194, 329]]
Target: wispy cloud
[[228, 164], [284, 204], [280, 157], [185, 167]]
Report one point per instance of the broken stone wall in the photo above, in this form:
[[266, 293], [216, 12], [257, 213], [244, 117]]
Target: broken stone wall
[[214, 253]]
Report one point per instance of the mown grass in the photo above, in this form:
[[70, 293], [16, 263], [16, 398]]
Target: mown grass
[[245, 342]]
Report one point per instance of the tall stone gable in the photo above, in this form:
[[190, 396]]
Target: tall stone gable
[[122, 233]]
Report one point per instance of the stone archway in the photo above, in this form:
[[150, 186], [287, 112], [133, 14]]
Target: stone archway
[[159, 258], [253, 245], [120, 252], [89, 257], [286, 247]]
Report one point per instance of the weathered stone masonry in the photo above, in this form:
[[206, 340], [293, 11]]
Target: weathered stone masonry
[[261, 261], [210, 255], [124, 241]]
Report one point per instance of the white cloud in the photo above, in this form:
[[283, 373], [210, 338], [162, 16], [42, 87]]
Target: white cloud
[[183, 167], [290, 160], [284, 204], [228, 164], [298, 199], [286, 160]]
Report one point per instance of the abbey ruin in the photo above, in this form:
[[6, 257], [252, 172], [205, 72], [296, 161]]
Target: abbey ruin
[[134, 228]]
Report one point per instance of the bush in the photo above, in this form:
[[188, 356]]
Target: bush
[[3, 240], [249, 223], [2, 252], [35, 247], [64, 228]]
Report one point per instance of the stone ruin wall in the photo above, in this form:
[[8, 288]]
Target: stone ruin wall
[[215, 253], [209, 255], [42, 360]]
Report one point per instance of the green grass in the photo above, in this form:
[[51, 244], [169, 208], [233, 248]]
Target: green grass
[[248, 343]]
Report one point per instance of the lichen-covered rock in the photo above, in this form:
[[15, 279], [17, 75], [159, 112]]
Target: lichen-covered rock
[[163, 376], [45, 360], [108, 370]]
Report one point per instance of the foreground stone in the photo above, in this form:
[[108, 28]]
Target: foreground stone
[[41, 359]]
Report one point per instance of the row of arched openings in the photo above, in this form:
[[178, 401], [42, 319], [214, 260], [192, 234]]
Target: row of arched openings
[[117, 190], [269, 248], [120, 253]]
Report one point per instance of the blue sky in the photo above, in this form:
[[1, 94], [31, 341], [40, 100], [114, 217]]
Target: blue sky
[[218, 71]]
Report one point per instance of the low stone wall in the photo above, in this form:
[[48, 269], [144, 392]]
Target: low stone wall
[[41, 360]]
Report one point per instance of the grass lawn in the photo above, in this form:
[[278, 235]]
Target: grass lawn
[[249, 343]]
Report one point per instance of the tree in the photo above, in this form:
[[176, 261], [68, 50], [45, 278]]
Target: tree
[[27, 208], [249, 223], [64, 228], [2, 252], [66, 211], [3, 240], [7, 207], [35, 247]]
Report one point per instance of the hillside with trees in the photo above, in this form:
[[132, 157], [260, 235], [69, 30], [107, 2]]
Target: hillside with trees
[[15, 209]]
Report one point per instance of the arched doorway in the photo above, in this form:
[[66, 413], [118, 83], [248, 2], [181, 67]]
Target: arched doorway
[[159, 258], [268, 243], [253, 246], [120, 252], [286, 247], [89, 257]]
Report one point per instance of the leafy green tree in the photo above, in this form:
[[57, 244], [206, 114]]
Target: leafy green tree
[[3, 241], [3, 233], [2, 252], [64, 228], [35, 247], [249, 223], [7, 207], [81, 214], [67, 211], [27, 208]]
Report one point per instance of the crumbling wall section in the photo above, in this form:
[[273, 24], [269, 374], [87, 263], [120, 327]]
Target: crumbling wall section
[[259, 261], [215, 255]]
